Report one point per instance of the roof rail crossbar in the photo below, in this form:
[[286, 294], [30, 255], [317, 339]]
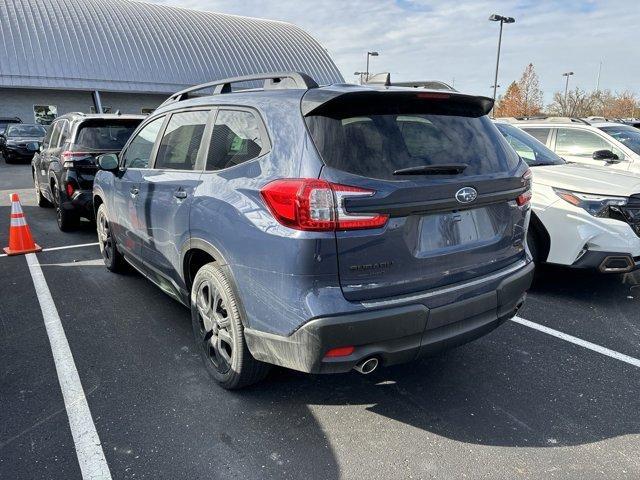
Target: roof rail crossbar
[[274, 80]]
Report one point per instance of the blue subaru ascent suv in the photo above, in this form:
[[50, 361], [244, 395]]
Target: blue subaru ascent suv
[[321, 229]]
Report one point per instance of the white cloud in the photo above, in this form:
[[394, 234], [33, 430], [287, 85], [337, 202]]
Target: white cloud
[[443, 40]]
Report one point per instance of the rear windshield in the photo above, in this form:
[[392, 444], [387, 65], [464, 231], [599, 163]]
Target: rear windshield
[[21, 130], [377, 145], [105, 136]]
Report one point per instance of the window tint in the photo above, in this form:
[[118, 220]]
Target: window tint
[[105, 135], [47, 137], [139, 150], [64, 132], [181, 141], [581, 143], [55, 135], [236, 138], [532, 151], [376, 145], [540, 134]]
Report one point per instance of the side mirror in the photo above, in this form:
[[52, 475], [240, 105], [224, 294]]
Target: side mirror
[[108, 162], [33, 146], [606, 155]]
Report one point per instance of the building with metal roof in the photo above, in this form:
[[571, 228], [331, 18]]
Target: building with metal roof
[[78, 55]]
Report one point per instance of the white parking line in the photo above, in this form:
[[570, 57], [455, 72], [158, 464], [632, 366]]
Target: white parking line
[[64, 247], [578, 341], [93, 464]]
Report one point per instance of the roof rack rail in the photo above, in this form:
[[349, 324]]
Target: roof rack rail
[[297, 80], [548, 119]]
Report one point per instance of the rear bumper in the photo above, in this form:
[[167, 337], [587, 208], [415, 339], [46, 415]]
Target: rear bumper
[[80, 202], [394, 334], [608, 262]]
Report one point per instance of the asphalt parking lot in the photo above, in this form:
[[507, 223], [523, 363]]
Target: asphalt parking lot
[[518, 403]]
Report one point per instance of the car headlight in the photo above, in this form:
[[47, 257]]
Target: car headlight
[[596, 205]]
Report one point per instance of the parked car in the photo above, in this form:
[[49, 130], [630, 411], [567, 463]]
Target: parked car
[[64, 168], [582, 216], [4, 121], [321, 228], [605, 144], [19, 141]]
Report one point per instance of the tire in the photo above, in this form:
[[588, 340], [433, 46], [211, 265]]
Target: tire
[[219, 333], [67, 220], [40, 200], [7, 158], [113, 259]]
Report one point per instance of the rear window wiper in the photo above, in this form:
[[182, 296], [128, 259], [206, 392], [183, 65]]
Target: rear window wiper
[[444, 169]]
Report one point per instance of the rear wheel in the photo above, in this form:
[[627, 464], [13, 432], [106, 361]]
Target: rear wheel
[[218, 331], [40, 200], [7, 158], [113, 259], [67, 220]]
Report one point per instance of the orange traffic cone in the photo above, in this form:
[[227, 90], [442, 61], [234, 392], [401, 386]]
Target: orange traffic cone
[[20, 239]]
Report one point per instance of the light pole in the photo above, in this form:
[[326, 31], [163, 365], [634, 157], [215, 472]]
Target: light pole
[[499, 18], [369, 54], [566, 90], [361, 74]]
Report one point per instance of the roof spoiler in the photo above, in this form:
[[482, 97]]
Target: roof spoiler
[[362, 101]]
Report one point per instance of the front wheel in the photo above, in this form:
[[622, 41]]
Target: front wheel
[[218, 331], [112, 258]]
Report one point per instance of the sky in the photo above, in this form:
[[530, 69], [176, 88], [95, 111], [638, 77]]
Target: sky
[[453, 40]]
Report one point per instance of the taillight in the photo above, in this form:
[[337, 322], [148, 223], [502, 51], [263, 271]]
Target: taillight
[[317, 205], [68, 157], [71, 188], [524, 198]]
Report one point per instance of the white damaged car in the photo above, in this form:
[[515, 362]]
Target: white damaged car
[[582, 216]]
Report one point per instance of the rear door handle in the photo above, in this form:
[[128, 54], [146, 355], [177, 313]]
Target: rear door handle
[[134, 191], [180, 194]]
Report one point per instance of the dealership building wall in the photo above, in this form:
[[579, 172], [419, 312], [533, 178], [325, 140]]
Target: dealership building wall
[[20, 102], [66, 55]]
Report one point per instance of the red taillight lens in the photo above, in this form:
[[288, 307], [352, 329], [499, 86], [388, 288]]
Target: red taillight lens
[[70, 189], [524, 198], [316, 205], [340, 352]]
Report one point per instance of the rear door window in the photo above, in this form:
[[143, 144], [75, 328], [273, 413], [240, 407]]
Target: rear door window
[[540, 134], [237, 137], [181, 141], [376, 145], [94, 135], [55, 134]]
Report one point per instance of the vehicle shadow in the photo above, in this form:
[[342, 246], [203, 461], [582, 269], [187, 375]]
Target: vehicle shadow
[[491, 392]]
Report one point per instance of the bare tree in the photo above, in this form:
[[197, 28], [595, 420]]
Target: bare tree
[[577, 103]]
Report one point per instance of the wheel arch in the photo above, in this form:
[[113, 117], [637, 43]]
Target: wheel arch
[[197, 252], [537, 228]]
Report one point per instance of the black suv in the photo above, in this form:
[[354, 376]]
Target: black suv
[[64, 168]]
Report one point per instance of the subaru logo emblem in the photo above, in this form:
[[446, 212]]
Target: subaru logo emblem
[[466, 195]]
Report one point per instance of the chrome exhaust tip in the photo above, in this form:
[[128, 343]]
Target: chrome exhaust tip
[[367, 365], [617, 264]]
